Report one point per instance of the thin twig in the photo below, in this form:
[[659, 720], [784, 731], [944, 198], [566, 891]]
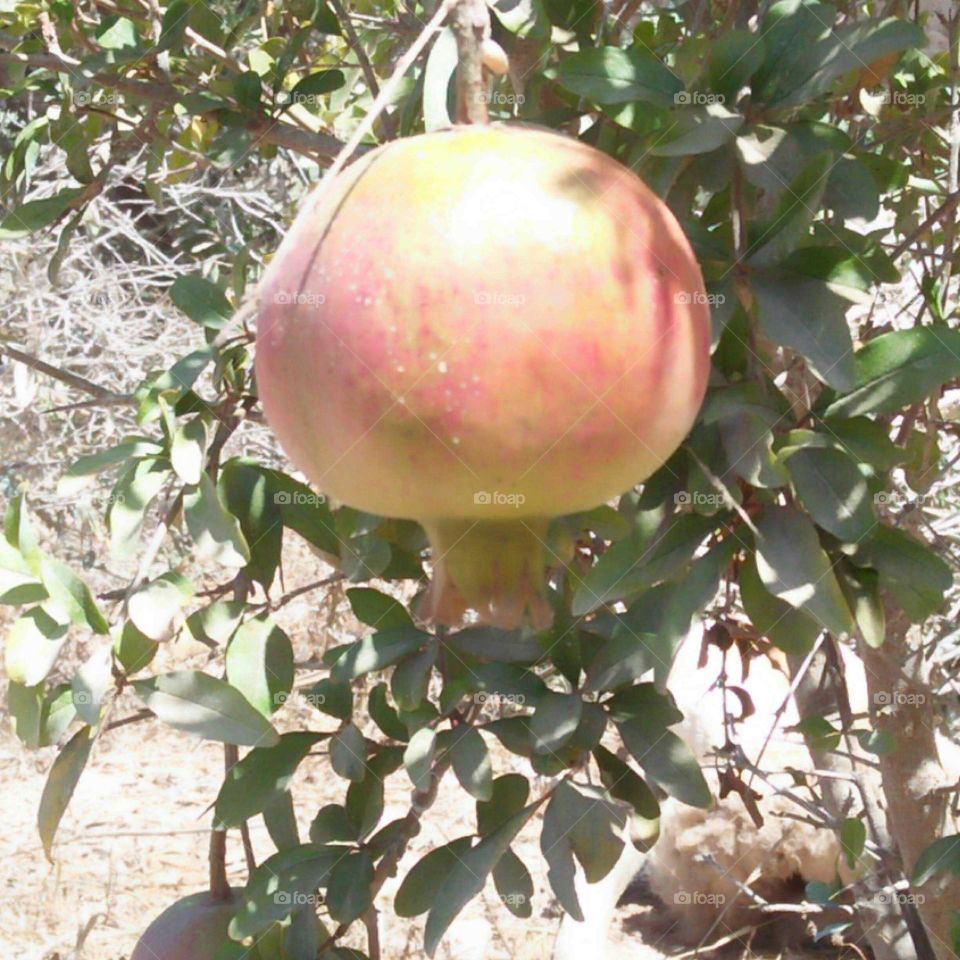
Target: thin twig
[[64, 376]]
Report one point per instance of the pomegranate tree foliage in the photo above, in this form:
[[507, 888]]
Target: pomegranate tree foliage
[[774, 136]]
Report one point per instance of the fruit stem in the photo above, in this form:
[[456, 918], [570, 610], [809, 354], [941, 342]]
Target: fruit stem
[[470, 22]]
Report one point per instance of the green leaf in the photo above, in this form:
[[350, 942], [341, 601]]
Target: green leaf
[[833, 491], [795, 211], [508, 795], [202, 705], [853, 839], [471, 763], [810, 317], [259, 663], [646, 703], [81, 473], [861, 587], [437, 74], [172, 27], [260, 777], [131, 497], [384, 715], [666, 760], [820, 734], [133, 650], [514, 884], [155, 608], [468, 876], [411, 678], [215, 532], [61, 782], [625, 784], [579, 822], [525, 18], [697, 129], [418, 757], [422, 885], [280, 883], [898, 369], [912, 573], [217, 621], [348, 753], [90, 684], [735, 55], [247, 89], [188, 449], [555, 720], [377, 609], [502, 646], [36, 214], [633, 565], [202, 301], [377, 651], [792, 630], [121, 34], [349, 892], [304, 512], [32, 646], [71, 596], [246, 491], [942, 856], [620, 660], [794, 567], [316, 85], [611, 75], [364, 803], [840, 51], [25, 707], [330, 824], [334, 699]]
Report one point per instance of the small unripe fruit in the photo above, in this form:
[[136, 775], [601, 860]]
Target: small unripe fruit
[[193, 928], [481, 329]]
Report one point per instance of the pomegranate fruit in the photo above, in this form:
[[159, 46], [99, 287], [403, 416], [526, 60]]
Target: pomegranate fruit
[[193, 928], [482, 329]]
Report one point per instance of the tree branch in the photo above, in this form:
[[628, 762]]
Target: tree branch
[[64, 376], [264, 129]]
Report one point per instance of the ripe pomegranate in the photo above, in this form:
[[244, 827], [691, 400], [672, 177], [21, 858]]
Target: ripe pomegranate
[[482, 329], [193, 928]]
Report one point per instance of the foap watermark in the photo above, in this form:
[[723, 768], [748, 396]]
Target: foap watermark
[[306, 696], [894, 498], [898, 897], [299, 298], [496, 498], [901, 98], [290, 98], [297, 898], [97, 98], [482, 697], [298, 498], [697, 498], [513, 899], [699, 898], [697, 296], [696, 98], [898, 698], [495, 298], [500, 99]]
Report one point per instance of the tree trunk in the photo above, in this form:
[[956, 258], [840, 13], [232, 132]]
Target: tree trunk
[[822, 690], [917, 806]]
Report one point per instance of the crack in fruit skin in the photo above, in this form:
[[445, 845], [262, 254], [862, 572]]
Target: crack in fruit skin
[[493, 311]]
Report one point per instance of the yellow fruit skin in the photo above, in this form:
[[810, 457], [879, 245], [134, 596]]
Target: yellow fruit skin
[[487, 323]]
